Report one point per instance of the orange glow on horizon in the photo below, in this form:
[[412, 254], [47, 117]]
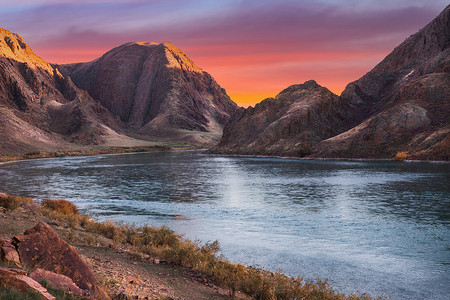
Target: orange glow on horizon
[[252, 77]]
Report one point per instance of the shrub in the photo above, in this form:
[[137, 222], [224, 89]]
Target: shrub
[[401, 156], [13, 202], [61, 206]]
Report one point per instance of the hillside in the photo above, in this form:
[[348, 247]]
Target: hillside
[[401, 105]]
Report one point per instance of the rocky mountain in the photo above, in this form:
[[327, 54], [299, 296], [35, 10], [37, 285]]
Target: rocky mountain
[[404, 101], [289, 124], [156, 90], [402, 105], [138, 94], [40, 109]]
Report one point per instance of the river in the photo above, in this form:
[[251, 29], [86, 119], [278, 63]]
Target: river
[[377, 227]]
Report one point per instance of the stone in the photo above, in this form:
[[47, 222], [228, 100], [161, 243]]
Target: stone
[[18, 280], [8, 253], [57, 281], [40, 247], [3, 196]]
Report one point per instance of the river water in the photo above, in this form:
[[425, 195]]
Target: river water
[[376, 227]]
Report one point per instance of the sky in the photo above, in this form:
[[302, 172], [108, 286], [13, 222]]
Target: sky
[[253, 48]]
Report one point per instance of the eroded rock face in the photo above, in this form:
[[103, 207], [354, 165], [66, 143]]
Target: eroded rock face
[[40, 247], [156, 89], [289, 124], [35, 97], [18, 280]]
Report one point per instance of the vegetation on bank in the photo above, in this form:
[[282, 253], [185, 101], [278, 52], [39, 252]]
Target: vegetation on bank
[[165, 244], [112, 150]]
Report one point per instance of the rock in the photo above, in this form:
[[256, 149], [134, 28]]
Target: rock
[[18, 280], [57, 281], [40, 247], [3, 196], [8, 253]]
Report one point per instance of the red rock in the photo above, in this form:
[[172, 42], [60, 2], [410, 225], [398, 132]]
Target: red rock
[[40, 247], [57, 281], [8, 253], [18, 280]]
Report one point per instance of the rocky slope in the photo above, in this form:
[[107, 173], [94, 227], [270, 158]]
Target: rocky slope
[[289, 124], [40, 109], [403, 104], [404, 101], [155, 89]]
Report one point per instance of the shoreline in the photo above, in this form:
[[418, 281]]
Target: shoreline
[[7, 159], [329, 159], [150, 252]]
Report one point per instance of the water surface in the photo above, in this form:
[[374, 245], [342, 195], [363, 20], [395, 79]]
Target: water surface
[[377, 227]]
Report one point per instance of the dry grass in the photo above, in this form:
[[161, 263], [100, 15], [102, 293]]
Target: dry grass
[[165, 244], [13, 202]]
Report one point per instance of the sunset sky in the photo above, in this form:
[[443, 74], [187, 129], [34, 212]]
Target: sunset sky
[[253, 48]]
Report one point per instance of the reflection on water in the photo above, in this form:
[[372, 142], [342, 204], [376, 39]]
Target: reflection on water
[[380, 227]]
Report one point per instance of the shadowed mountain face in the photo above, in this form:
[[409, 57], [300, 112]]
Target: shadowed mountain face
[[156, 90], [403, 104], [40, 109]]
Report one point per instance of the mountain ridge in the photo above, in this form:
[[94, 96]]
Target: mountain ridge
[[401, 105]]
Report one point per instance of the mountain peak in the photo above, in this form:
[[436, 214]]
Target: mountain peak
[[177, 59], [13, 47]]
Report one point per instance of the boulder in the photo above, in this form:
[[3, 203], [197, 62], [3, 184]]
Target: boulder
[[18, 280], [40, 247], [8, 253], [57, 281]]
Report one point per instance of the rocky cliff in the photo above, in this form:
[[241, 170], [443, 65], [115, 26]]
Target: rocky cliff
[[155, 89], [40, 109], [402, 105]]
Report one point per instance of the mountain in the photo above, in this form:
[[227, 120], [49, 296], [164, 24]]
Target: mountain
[[40, 109], [156, 90], [404, 101], [138, 94], [401, 105], [289, 124]]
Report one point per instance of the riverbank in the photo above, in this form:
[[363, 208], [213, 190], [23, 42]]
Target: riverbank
[[156, 262]]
